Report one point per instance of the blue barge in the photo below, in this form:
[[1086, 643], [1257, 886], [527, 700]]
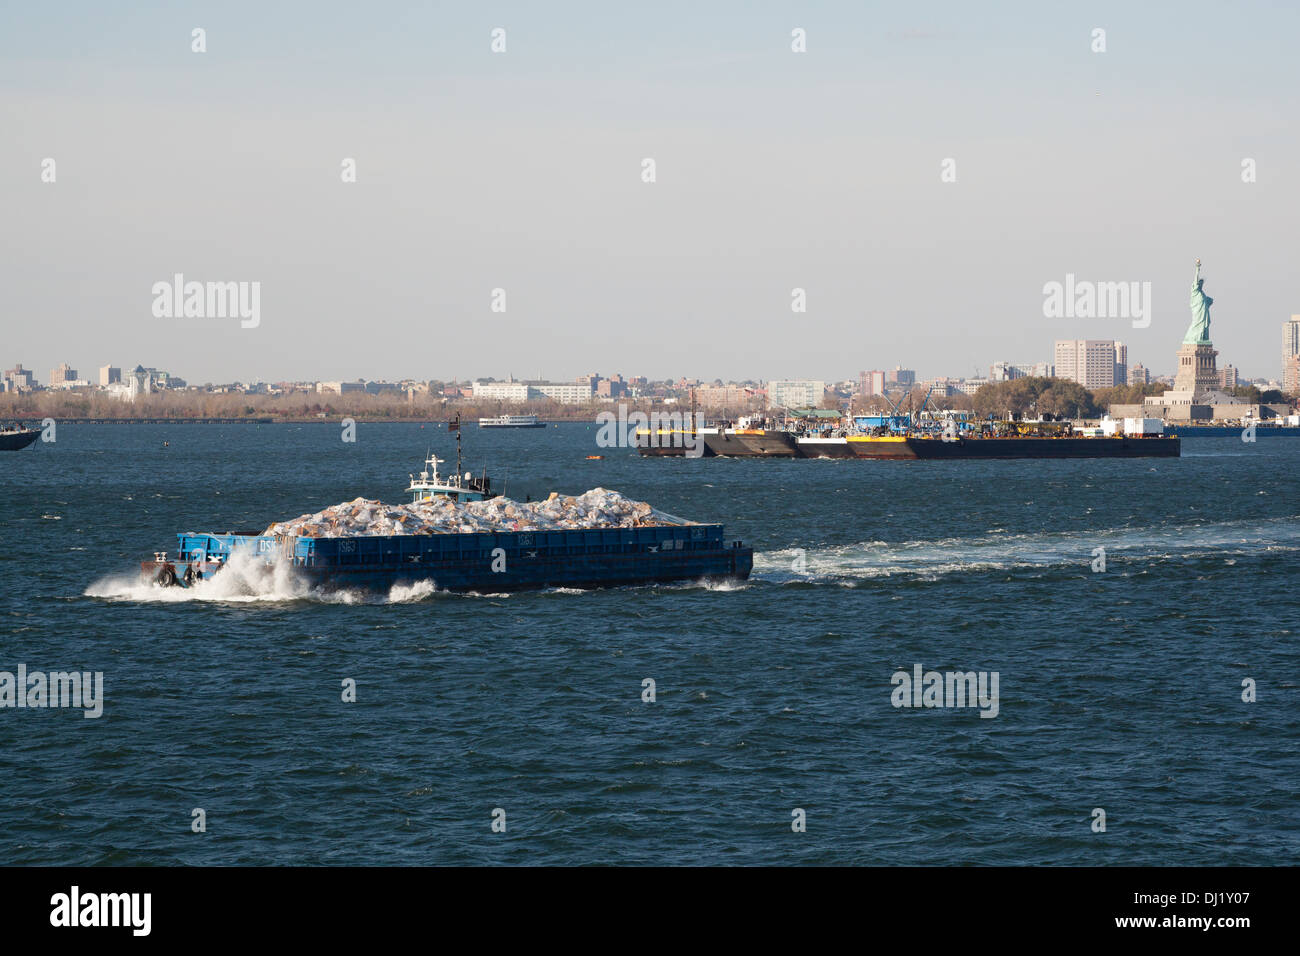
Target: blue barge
[[479, 561], [483, 561]]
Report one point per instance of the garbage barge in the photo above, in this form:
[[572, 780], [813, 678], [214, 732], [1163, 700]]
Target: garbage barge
[[460, 536]]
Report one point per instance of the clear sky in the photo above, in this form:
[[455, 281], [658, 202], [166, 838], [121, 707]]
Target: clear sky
[[522, 171]]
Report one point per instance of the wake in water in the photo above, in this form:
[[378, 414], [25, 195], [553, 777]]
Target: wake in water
[[249, 578], [994, 551]]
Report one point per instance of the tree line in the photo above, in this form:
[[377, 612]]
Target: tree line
[[1060, 397], [295, 406]]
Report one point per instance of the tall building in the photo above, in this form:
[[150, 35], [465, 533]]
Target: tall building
[[1064, 353], [871, 383], [902, 377], [612, 387], [1093, 363], [1291, 355], [796, 394], [564, 393], [1139, 375], [1006, 372], [64, 373], [943, 386], [19, 377], [1228, 377], [724, 396], [108, 375], [139, 382], [501, 391]]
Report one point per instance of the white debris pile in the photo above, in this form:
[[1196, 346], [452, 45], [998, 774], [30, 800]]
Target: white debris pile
[[597, 508]]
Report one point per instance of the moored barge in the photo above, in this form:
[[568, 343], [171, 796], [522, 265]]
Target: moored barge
[[907, 447], [899, 439], [716, 442]]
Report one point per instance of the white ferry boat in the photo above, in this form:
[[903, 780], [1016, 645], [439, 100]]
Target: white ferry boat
[[511, 421]]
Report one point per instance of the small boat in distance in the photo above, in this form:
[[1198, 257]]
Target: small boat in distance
[[14, 437], [511, 421]]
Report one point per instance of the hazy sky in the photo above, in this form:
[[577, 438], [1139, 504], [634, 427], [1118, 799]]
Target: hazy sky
[[522, 171]]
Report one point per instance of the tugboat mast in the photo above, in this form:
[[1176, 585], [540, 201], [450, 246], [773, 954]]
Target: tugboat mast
[[454, 425]]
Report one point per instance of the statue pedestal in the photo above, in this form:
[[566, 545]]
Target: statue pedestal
[[1197, 371]]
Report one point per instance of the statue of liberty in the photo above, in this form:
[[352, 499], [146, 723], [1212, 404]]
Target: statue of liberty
[[1198, 333]]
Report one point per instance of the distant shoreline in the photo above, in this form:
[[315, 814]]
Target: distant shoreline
[[332, 420]]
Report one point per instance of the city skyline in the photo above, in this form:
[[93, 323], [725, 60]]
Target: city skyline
[[1059, 365], [924, 370], [889, 178]]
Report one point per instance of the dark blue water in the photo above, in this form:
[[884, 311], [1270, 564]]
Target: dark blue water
[[1119, 690]]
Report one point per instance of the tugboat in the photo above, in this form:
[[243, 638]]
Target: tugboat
[[429, 484], [14, 437], [459, 487]]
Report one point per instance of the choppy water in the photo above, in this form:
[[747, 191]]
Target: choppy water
[[1119, 690]]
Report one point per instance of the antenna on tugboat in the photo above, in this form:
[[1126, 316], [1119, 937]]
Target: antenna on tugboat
[[454, 425]]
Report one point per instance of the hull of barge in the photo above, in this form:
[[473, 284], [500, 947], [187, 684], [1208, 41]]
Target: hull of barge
[[485, 562], [713, 443], [891, 447]]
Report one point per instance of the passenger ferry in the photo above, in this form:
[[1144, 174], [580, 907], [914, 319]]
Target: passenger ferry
[[511, 421]]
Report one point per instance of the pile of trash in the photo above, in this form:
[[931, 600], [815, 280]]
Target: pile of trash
[[597, 508]]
